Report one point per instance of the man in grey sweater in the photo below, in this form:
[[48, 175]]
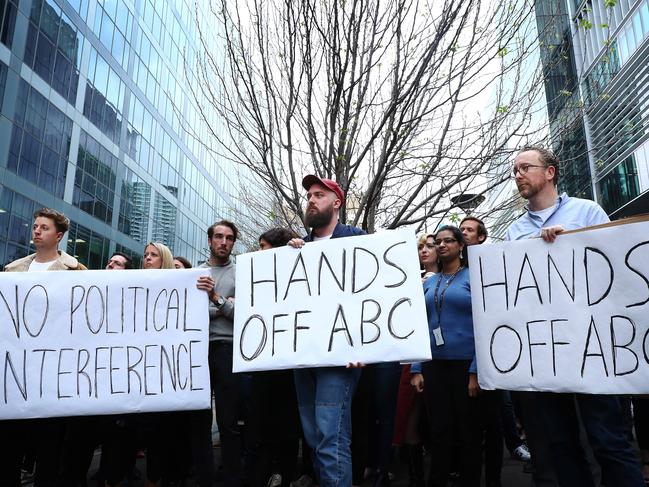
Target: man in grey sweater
[[225, 385]]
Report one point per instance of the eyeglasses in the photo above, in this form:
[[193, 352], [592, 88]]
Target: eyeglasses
[[445, 241], [523, 168]]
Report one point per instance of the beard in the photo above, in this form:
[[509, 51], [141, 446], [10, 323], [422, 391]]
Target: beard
[[319, 219], [529, 190]]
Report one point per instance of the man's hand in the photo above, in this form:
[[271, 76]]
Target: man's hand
[[417, 381], [355, 365], [206, 283], [549, 234], [474, 387], [296, 243]]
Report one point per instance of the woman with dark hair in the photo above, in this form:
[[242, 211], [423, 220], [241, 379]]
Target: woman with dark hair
[[275, 237], [275, 421], [181, 262], [450, 378]]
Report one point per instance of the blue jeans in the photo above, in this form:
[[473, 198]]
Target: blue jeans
[[324, 397], [602, 420]]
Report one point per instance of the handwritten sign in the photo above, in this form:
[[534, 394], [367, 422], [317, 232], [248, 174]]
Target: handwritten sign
[[572, 316], [355, 299], [102, 342]]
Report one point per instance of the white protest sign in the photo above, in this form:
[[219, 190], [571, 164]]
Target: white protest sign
[[102, 342], [571, 316], [355, 299]]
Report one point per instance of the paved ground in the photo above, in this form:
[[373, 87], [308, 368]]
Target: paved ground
[[513, 475]]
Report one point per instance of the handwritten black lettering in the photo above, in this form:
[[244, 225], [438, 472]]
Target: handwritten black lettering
[[555, 344], [262, 342], [397, 267], [130, 368], [611, 274], [505, 370], [531, 344], [355, 266], [340, 282], [171, 367], [625, 346], [253, 283], [297, 327], [59, 373], [89, 306], [276, 331], [592, 327], [75, 306], [394, 334], [98, 368], [340, 313], [526, 265], [22, 385], [192, 366], [627, 258], [81, 370], [45, 307], [15, 315], [371, 320], [553, 264], [502, 283]]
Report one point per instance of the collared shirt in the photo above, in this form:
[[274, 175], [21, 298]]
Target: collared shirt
[[570, 213]]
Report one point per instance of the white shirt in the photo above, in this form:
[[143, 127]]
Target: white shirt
[[40, 266]]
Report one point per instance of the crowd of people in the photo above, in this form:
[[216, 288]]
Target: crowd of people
[[346, 423]]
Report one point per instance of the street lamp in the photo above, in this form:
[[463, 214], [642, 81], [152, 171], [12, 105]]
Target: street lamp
[[467, 201]]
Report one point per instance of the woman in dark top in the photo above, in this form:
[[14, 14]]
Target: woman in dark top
[[275, 420]]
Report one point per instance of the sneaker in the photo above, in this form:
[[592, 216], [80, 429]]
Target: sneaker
[[275, 480], [522, 453]]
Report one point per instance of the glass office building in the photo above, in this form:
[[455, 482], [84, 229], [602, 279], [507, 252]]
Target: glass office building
[[596, 59], [98, 121]]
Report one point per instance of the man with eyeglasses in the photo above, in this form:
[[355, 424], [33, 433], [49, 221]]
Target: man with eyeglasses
[[552, 420], [220, 286], [119, 261]]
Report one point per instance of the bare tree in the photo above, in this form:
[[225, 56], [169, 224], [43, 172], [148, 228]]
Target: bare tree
[[406, 103]]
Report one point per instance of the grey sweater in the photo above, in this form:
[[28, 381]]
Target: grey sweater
[[222, 320]]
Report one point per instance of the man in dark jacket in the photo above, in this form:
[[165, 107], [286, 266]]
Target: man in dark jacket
[[325, 393]]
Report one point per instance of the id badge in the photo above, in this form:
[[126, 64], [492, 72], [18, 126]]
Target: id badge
[[439, 338]]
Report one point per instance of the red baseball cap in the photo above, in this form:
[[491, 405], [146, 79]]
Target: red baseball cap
[[330, 184]]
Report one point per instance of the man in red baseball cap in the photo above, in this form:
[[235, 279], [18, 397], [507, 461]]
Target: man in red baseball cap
[[324, 394], [324, 199]]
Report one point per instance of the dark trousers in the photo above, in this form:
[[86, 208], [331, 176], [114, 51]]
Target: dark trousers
[[508, 422], [602, 420], [12, 446], [641, 421], [452, 414], [225, 387], [200, 426], [493, 431], [49, 436], [531, 415], [373, 414]]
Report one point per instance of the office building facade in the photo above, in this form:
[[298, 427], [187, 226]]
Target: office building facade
[[595, 55], [98, 121]]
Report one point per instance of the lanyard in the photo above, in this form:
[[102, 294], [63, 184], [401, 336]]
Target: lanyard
[[439, 300]]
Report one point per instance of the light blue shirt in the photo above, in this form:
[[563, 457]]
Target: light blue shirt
[[570, 213]]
